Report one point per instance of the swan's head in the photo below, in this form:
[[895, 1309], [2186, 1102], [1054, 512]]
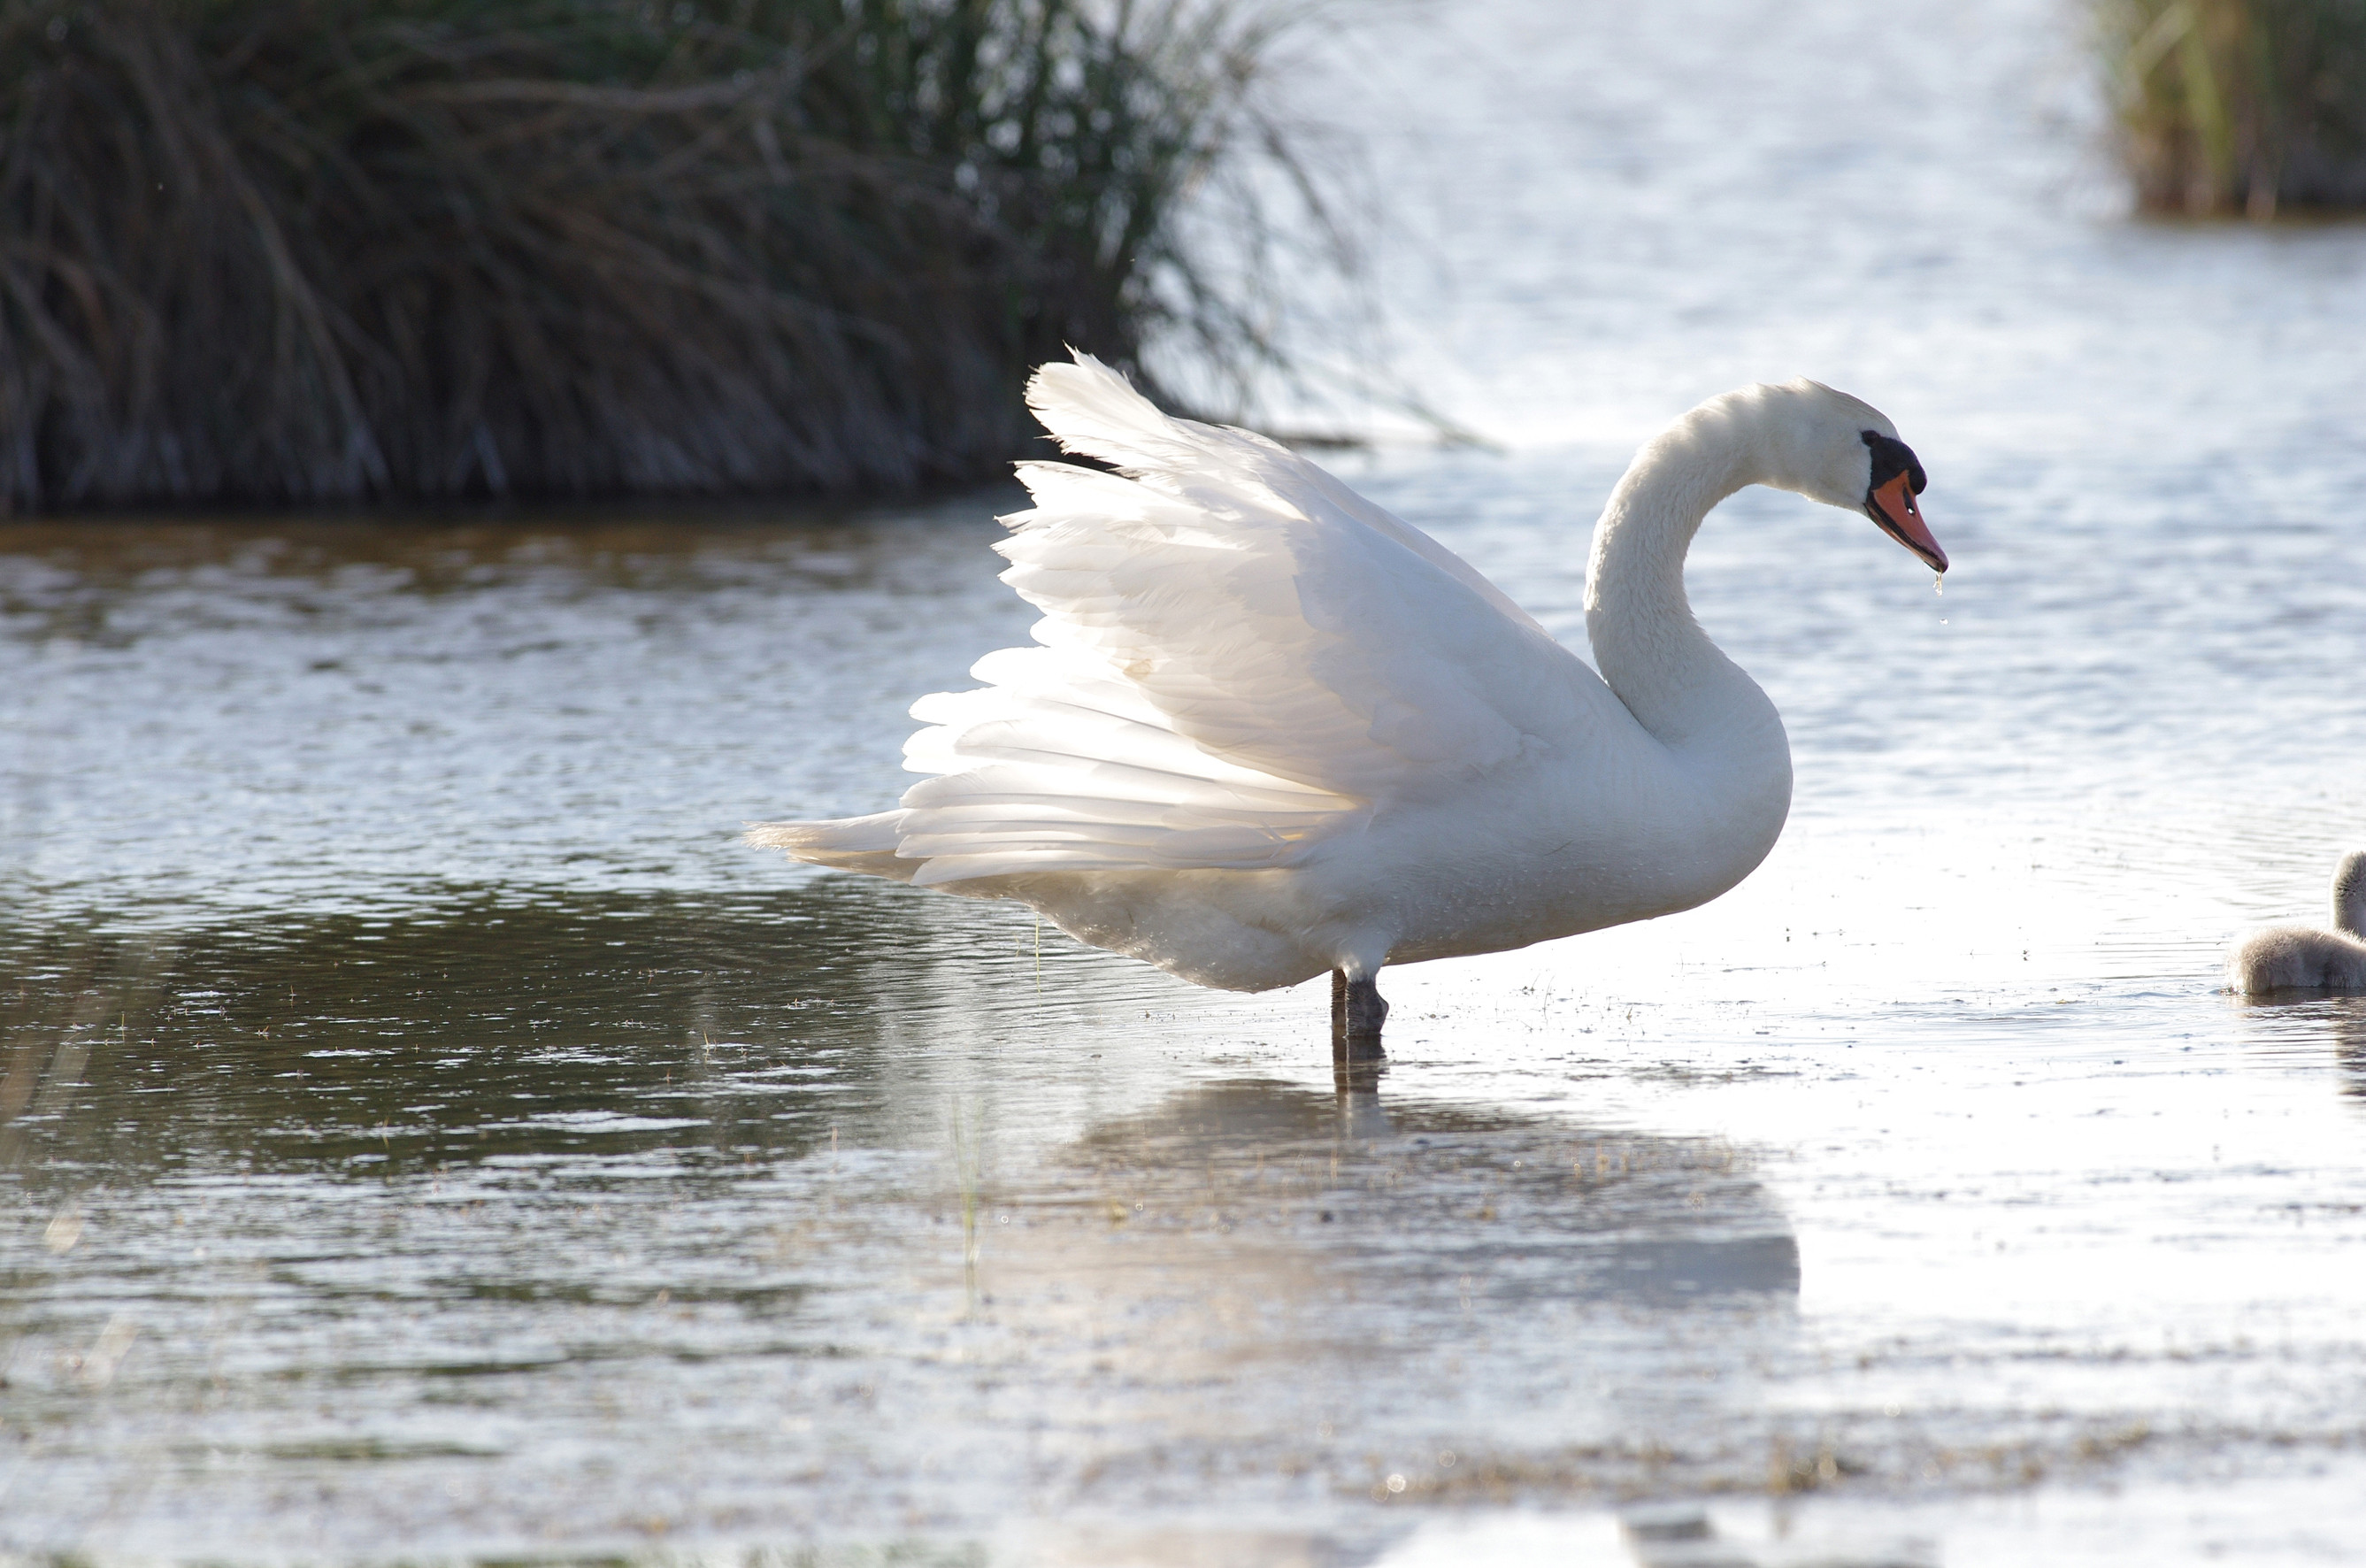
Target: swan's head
[[1845, 452], [2349, 893]]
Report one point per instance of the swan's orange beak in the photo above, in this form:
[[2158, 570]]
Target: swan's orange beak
[[1892, 507]]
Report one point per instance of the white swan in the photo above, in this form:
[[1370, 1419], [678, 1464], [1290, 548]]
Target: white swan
[[2303, 958], [1273, 731]]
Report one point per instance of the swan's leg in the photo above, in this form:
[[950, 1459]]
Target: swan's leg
[[1357, 1012], [1354, 1058]]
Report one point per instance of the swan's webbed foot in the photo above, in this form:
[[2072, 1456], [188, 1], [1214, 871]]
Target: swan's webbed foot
[[1357, 1011]]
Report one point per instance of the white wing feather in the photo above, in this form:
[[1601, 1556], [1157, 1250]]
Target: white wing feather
[[1240, 657]]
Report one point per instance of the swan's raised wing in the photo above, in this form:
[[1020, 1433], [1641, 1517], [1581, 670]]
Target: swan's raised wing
[[1239, 656]]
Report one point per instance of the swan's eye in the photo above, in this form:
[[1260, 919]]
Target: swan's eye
[[1892, 458]]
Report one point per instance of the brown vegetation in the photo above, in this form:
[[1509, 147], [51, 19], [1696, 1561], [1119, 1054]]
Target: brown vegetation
[[333, 250], [2241, 106]]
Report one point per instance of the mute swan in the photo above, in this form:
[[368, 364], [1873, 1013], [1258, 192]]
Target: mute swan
[[1272, 730], [2302, 958]]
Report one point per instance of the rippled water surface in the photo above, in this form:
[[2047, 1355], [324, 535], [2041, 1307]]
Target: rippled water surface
[[428, 1135]]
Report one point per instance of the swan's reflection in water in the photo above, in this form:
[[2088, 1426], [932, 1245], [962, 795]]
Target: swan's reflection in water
[[1313, 1292], [2305, 1029], [2346, 1031], [1435, 1197]]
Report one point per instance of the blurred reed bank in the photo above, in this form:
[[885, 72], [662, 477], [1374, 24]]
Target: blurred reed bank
[[2239, 106], [344, 249]]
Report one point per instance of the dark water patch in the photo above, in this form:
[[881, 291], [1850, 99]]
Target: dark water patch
[[382, 1047]]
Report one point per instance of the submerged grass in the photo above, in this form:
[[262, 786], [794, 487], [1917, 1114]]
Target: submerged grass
[[2240, 105], [340, 250]]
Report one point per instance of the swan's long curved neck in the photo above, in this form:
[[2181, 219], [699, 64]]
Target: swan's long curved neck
[[1649, 647]]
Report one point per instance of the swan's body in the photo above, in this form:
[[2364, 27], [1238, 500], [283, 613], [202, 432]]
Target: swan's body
[[1273, 731], [2302, 958]]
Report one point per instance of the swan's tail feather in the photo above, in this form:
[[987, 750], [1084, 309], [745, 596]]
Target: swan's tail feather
[[848, 843]]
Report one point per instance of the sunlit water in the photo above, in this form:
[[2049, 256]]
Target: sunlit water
[[428, 1135]]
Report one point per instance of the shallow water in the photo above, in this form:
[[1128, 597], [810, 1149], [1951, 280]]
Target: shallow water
[[430, 1136]]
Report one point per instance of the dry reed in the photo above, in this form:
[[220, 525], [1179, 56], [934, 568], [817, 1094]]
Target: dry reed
[[337, 250], [2240, 105]]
